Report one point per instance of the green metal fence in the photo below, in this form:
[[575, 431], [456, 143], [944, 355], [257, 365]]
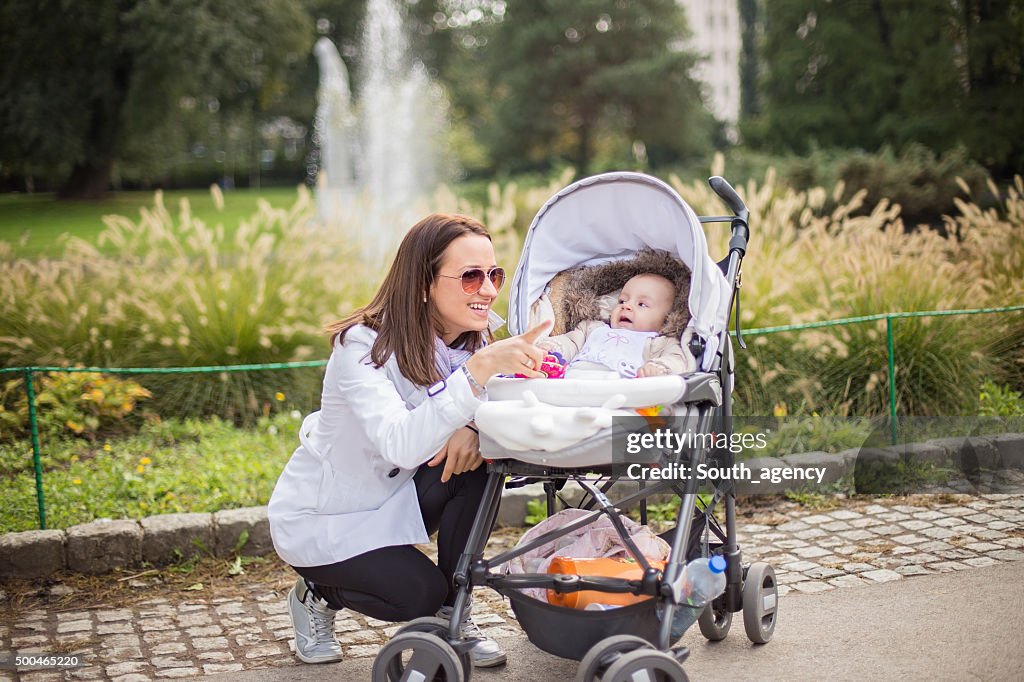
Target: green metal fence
[[29, 372], [889, 338]]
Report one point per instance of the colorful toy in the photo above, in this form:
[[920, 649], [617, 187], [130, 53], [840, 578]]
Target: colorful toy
[[553, 366], [653, 415]]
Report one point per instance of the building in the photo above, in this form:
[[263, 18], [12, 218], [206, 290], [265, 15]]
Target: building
[[715, 26]]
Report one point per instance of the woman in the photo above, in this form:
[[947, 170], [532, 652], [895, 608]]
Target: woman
[[392, 456]]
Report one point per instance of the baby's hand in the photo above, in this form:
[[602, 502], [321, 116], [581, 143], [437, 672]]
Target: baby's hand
[[553, 365], [651, 369]]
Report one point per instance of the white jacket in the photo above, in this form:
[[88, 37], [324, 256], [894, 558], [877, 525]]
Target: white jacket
[[348, 487]]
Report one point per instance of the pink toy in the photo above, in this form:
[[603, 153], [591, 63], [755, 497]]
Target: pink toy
[[553, 366]]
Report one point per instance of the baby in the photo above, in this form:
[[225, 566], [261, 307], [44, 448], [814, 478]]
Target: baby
[[630, 344]]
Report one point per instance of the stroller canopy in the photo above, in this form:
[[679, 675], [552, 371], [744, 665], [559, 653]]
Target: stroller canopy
[[611, 217]]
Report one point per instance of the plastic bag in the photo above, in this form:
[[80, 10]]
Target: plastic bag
[[598, 539]]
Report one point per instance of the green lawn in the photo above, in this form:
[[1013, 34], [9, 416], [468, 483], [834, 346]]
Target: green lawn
[[171, 466], [41, 219]]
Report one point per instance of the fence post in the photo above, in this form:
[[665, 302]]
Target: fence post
[[892, 378], [34, 427]]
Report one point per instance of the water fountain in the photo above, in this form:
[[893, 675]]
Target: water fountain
[[378, 155], [335, 125]]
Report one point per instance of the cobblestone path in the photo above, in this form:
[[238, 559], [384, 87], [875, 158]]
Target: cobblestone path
[[184, 636]]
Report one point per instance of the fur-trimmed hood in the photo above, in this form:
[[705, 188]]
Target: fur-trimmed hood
[[575, 294]]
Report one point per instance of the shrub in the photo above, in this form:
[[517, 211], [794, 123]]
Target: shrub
[[988, 244], [923, 184], [999, 401], [809, 262], [796, 435], [71, 403], [176, 292], [11, 421]]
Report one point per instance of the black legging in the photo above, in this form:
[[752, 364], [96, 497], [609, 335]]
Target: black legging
[[400, 583]]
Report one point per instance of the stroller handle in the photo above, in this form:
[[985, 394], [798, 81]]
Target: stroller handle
[[727, 194]]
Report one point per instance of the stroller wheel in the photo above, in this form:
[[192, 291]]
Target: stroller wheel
[[715, 621], [645, 664], [417, 655], [606, 652], [439, 627], [760, 602], [432, 624]]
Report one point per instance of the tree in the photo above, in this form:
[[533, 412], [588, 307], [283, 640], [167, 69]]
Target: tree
[[874, 72], [993, 32], [857, 74], [80, 82], [451, 39], [749, 23], [568, 77]]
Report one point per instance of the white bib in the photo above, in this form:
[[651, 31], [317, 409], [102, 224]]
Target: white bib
[[621, 350]]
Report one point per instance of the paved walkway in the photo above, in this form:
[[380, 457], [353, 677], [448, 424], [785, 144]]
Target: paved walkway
[[858, 544], [921, 629]]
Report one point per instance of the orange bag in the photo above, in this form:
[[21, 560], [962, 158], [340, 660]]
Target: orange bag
[[610, 567]]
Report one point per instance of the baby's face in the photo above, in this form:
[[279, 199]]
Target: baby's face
[[644, 304]]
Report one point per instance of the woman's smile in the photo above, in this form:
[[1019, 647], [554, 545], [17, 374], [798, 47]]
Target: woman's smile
[[461, 312]]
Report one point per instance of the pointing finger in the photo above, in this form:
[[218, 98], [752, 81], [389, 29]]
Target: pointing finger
[[534, 333]]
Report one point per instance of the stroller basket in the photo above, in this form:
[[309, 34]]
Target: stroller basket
[[570, 633]]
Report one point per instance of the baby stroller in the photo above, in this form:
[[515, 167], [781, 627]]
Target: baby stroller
[[603, 222]]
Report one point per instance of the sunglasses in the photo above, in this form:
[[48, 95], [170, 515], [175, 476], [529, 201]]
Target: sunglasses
[[473, 279]]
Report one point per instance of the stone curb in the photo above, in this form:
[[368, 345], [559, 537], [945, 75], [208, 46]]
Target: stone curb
[[104, 545]]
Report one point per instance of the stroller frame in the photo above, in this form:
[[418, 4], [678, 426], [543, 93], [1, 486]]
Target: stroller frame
[[695, 522]]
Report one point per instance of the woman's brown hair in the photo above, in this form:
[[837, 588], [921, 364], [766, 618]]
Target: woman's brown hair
[[406, 326]]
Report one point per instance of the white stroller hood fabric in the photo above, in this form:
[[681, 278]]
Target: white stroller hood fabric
[[611, 217]]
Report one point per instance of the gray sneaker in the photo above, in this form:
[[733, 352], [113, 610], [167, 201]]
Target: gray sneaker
[[487, 653], [313, 621]]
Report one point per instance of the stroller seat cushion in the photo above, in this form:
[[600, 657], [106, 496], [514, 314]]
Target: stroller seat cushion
[[567, 423], [586, 392], [530, 425]]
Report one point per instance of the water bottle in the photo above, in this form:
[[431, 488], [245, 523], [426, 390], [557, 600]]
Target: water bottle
[[701, 581]]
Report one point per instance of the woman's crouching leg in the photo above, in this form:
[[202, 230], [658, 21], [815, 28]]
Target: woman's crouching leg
[[391, 583]]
